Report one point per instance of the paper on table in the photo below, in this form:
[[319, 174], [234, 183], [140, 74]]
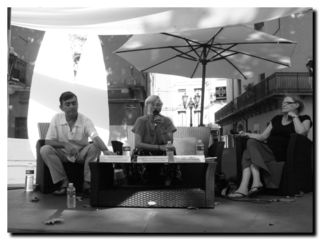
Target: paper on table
[[152, 159], [189, 158], [115, 158]]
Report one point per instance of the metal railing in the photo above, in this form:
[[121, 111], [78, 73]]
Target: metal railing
[[277, 83]]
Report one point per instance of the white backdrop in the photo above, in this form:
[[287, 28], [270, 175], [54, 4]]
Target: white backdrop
[[53, 74]]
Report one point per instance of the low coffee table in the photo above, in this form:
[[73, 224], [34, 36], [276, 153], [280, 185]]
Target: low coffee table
[[195, 190]]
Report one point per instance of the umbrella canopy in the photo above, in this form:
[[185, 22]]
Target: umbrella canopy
[[228, 52]]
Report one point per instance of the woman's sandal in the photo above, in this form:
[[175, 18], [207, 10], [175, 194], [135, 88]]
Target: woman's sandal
[[237, 195], [254, 191]]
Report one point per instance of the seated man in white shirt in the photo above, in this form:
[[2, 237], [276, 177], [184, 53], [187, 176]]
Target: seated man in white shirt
[[67, 140]]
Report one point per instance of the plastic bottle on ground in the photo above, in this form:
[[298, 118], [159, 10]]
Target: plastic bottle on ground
[[29, 179], [71, 196]]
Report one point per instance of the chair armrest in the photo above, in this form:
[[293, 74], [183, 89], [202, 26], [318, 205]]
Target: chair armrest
[[41, 142]]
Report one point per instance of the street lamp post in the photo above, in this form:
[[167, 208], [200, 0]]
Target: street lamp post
[[192, 104]]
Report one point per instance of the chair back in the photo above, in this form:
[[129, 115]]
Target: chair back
[[186, 138], [43, 129], [185, 146]]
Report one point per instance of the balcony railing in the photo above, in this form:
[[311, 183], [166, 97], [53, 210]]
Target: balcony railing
[[279, 83]]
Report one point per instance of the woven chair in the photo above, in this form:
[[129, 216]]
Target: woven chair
[[44, 181]]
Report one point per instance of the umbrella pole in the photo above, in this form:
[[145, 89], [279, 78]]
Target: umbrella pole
[[204, 64]]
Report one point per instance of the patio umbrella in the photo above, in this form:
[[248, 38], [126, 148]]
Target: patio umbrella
[[228, 52]]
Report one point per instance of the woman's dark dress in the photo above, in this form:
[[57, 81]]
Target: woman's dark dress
[[280, 135], [263, 154]]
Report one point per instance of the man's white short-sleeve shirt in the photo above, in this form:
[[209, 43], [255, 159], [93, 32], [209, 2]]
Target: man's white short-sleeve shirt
[[82, 130]]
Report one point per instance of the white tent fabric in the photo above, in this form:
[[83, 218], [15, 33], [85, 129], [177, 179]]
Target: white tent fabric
[[54, 75], [122, 21]]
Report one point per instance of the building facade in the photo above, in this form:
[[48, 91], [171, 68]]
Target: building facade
[[258, 99], [181, 98]]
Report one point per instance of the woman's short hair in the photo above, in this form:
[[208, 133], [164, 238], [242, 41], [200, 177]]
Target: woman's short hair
[[66, 96], [298, 100], [149, 102]]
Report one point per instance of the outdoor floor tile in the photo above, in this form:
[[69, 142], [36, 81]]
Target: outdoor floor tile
[[228, 216]]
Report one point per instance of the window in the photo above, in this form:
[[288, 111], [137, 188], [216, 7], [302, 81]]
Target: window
[[21, 127], [17, 69]]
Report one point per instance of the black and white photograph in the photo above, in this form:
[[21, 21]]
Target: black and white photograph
[[168, 120]]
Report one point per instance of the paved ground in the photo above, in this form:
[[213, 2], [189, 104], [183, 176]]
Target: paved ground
[[288, 216]]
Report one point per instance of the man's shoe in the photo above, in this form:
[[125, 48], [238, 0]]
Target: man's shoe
[[60, 192]]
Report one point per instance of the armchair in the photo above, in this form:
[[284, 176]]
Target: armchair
[[43, 179], [297, 169]]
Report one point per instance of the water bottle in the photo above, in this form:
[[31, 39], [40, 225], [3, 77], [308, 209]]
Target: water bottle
[[71, 196], [126, 151], [28, 185], [199, 147], [170, 151]]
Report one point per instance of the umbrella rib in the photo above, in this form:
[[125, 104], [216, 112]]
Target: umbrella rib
[[176, 36], [211, 41], [235, 67], [165, 60], [195, 69], [230, 63], [222, 57], [219, 54], [151, 48], [186, 40], [262, 58], [194, 50], [189, 56], [246, 43], [217, 33]]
